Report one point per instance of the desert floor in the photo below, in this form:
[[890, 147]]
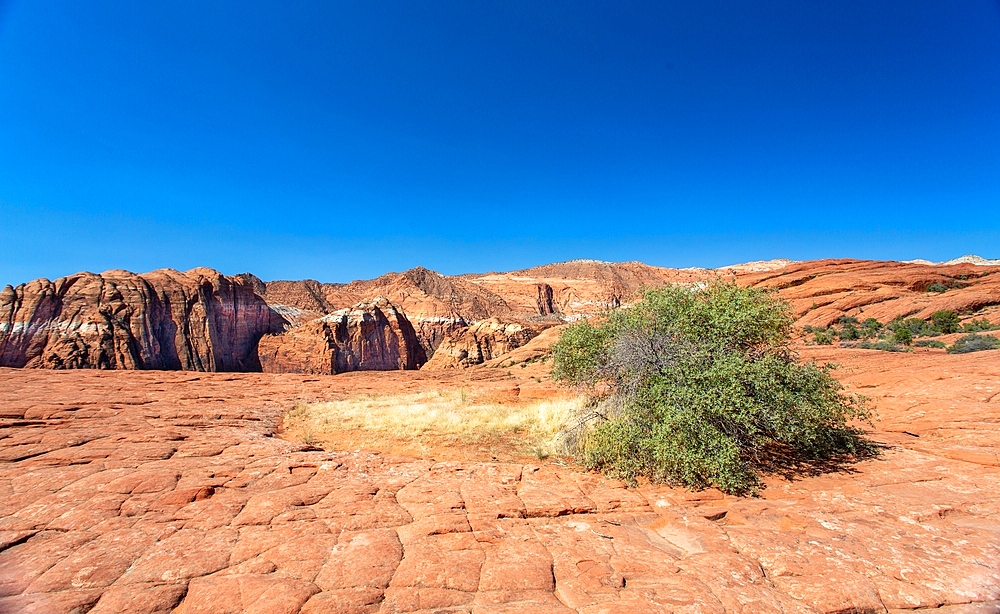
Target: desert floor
[[132, 491]]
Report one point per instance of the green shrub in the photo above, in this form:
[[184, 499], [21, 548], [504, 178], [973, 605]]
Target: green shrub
[[871, 328], [824, 338], [979, 325], [974, 343], [945, 322], [903, 335], [697, 386], [937, 287], [930, 343], [918, 327], [885, 346], [850, 332]]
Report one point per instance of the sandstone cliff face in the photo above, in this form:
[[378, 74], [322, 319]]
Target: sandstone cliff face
[[198, 321], [370, 336], [478, 343], [202, 320], [435, 305]]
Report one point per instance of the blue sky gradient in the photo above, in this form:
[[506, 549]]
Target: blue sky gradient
[[340, 140]]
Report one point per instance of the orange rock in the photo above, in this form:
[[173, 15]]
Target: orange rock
[[371, 336], [479, 343]]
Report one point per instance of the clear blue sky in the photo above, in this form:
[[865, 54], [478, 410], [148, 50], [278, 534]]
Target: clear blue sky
[[340, 140]]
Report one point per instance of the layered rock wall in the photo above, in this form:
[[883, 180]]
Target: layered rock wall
[[197, 321], [370, 336]]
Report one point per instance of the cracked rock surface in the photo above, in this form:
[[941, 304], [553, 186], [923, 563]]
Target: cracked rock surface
[[138, 491]]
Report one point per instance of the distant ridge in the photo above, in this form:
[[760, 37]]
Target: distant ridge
[[966, 259]]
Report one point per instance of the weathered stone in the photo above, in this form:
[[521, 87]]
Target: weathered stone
[[197, 321]]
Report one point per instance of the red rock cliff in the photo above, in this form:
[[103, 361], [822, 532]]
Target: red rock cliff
[[370, 336], [200, 320]]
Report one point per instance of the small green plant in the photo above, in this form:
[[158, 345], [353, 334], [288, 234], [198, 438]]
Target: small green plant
[[823, 338], [850, 332], [937, 287], [974, 343], [885, 346], [945, 322], [698, 386], [930, 343]]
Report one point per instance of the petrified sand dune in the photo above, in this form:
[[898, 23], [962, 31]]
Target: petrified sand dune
[[823, 290], [370, 336], [480, 343]]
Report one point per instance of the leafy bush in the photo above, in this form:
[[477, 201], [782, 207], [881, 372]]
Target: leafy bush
[[945, 321], [916, 326], [824, 338], [850, 332], [697, 386], [903, 335], [974, 343], [930, 343], [871, 328], [885, 346], [979, 325], [937, 287]]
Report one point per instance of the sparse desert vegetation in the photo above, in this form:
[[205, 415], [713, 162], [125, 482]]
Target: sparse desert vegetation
[[900, 334], [974, 343]]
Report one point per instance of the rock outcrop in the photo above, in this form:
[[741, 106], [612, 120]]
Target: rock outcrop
[[480, 342], [821, 291], [370, 336], [436, 305], [443, 307], [579, 287], [200, 320]]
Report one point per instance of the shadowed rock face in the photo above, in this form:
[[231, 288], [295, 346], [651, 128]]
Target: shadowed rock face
[[196, 321], [371, 336]]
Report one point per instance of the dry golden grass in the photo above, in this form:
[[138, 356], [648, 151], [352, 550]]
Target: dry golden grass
[[438, 417]]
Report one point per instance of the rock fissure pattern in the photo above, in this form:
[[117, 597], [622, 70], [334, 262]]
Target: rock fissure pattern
[[157, 492]]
